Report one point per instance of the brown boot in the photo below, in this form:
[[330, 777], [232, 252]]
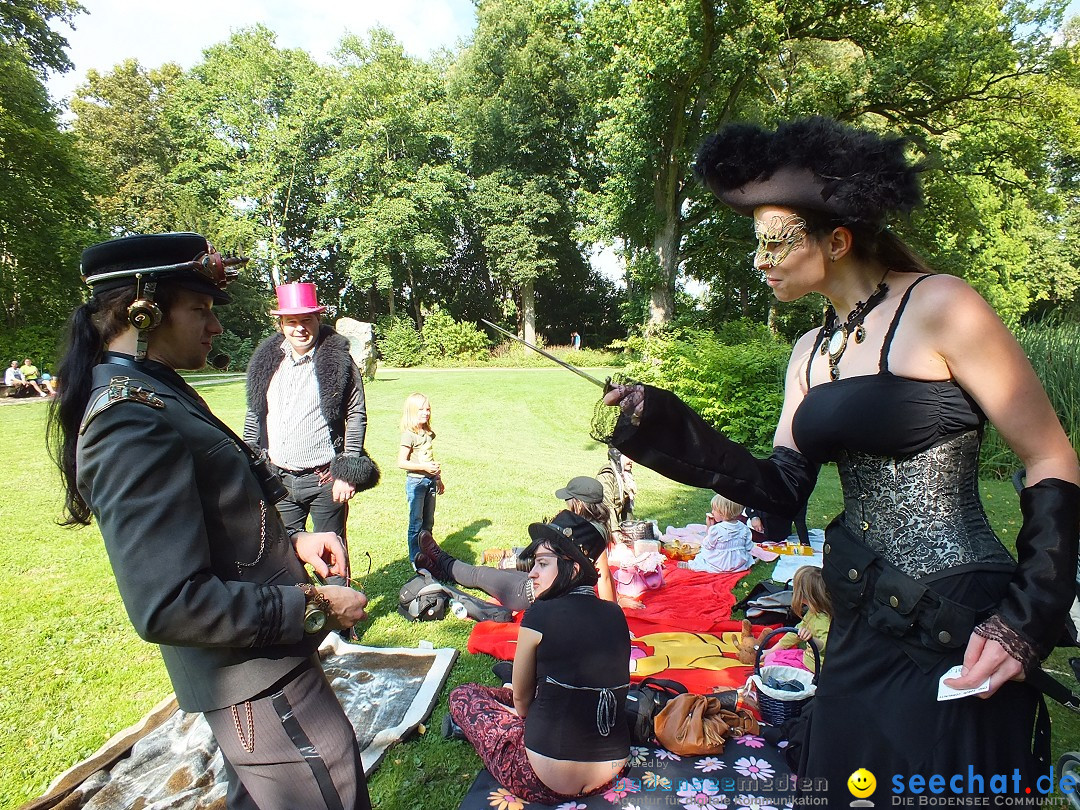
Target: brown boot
[[437, 562]]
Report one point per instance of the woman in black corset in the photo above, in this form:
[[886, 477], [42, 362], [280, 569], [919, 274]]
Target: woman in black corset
[[895, 389]]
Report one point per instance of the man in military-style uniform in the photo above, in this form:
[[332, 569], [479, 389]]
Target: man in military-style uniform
[[203, 563]]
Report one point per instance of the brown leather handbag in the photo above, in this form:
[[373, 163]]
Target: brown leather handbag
[[691, 725]]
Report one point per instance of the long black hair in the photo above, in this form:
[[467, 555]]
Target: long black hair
[[90, 329]]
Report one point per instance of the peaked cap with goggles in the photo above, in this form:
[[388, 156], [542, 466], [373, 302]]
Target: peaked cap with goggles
[[577, 537], [184, 259], [811, 164]]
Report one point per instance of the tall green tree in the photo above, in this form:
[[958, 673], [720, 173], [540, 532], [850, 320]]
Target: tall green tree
[[121, 122], [518, 97], [248, 154], [26, 27], [46, 215], [949, 73], [395, 191]]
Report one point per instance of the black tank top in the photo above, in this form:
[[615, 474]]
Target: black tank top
[[881, 414]]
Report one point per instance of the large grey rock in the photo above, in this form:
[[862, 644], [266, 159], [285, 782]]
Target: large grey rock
[[361, 338]]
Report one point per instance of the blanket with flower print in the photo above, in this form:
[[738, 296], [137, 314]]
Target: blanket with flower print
[[749, 774]]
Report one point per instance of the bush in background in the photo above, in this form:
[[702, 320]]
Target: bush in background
[[513, 355], [238, 348], [733, 378], [398, 343], [1053, 346], [445, 338], [39, 342]]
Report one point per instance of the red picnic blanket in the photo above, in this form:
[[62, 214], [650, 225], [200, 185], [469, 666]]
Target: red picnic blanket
[[684, 633]]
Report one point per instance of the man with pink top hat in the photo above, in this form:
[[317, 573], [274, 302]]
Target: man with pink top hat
[[306, 410]]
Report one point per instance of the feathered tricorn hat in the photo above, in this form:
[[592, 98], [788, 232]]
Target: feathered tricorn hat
[[817, 164]]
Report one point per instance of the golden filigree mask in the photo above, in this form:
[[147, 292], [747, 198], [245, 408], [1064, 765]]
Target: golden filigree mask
[[777, 237]]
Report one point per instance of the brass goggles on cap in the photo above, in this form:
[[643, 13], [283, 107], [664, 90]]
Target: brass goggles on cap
[[778, 237], [211, 265]]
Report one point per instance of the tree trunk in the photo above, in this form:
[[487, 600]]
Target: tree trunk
[[662, 294], [528, 313], [391, 302]]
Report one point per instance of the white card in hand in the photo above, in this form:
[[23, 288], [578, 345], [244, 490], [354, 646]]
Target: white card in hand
[[948, 693]]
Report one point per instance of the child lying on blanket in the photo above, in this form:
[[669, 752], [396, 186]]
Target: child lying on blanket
[[809, 601], [727, 543]]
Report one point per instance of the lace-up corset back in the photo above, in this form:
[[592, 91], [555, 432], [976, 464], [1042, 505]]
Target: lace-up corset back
[[907, 452]]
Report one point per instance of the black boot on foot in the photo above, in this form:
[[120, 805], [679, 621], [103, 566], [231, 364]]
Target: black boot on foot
[[503, 670]]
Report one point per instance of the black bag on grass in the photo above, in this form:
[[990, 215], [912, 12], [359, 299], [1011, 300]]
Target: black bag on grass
[[422, 599], [644, 701]]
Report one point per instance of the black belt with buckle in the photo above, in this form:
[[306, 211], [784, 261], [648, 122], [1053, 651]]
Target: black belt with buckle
[[324, 468]]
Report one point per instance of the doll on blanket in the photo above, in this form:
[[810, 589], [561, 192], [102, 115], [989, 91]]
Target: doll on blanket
[[727, 543], [810, 602]]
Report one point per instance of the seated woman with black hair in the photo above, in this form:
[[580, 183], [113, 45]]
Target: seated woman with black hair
[[560, 732]]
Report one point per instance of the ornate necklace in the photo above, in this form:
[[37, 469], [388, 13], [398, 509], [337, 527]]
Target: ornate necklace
[[839, 333]]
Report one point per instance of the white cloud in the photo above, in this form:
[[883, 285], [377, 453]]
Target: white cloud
[[157, 32]]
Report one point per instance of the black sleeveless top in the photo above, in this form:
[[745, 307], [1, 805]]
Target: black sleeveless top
[[907, 452], [882, 414]]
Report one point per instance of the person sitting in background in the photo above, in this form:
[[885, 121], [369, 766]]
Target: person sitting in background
[[47, 381], [13, 379], [727, 543], [810, 602], [560, 732], [30, 374]]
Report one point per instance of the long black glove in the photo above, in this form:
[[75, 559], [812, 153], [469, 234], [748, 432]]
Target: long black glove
[[670, 437], [1029, 621]]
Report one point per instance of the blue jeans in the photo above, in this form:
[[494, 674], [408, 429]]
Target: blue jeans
[[420, 493]]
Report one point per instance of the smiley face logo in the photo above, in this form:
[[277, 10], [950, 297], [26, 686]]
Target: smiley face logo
[[861, 783]]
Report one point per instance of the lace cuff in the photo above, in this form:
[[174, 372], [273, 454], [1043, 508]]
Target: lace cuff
[[632, 402], [1012, 642]]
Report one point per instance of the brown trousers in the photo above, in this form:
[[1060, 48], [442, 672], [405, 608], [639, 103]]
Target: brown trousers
[[303, 749]]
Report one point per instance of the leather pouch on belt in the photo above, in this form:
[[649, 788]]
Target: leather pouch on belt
[[947, 626], [847, 568], [896, 596]]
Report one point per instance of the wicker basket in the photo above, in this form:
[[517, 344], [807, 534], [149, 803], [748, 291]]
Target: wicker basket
[[777, 705]]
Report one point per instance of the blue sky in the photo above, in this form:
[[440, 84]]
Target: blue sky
[[160, 31]]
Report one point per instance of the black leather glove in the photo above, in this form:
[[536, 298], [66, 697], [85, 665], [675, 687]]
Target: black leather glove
[[1029, 621], [670, 437]]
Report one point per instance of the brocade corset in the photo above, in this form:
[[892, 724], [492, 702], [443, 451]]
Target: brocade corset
[[921, 512]]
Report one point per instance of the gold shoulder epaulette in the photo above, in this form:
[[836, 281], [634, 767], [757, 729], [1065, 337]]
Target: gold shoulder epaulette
[[121, 389]]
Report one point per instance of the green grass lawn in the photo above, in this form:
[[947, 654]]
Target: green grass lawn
[[73, 671]]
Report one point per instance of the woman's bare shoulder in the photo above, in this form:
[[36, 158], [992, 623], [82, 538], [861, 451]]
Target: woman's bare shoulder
[[945, 303]]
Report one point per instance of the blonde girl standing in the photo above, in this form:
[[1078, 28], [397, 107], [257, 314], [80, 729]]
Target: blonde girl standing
[[423, 475]]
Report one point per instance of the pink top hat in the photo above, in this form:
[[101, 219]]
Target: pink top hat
[[298, 298]]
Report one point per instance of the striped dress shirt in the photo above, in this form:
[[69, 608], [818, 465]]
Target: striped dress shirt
[[298, 437]]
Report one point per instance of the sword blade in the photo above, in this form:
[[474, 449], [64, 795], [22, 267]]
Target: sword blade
[[549, 356]]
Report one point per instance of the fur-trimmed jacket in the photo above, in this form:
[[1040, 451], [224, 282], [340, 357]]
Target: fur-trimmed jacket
[[341, 396]]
